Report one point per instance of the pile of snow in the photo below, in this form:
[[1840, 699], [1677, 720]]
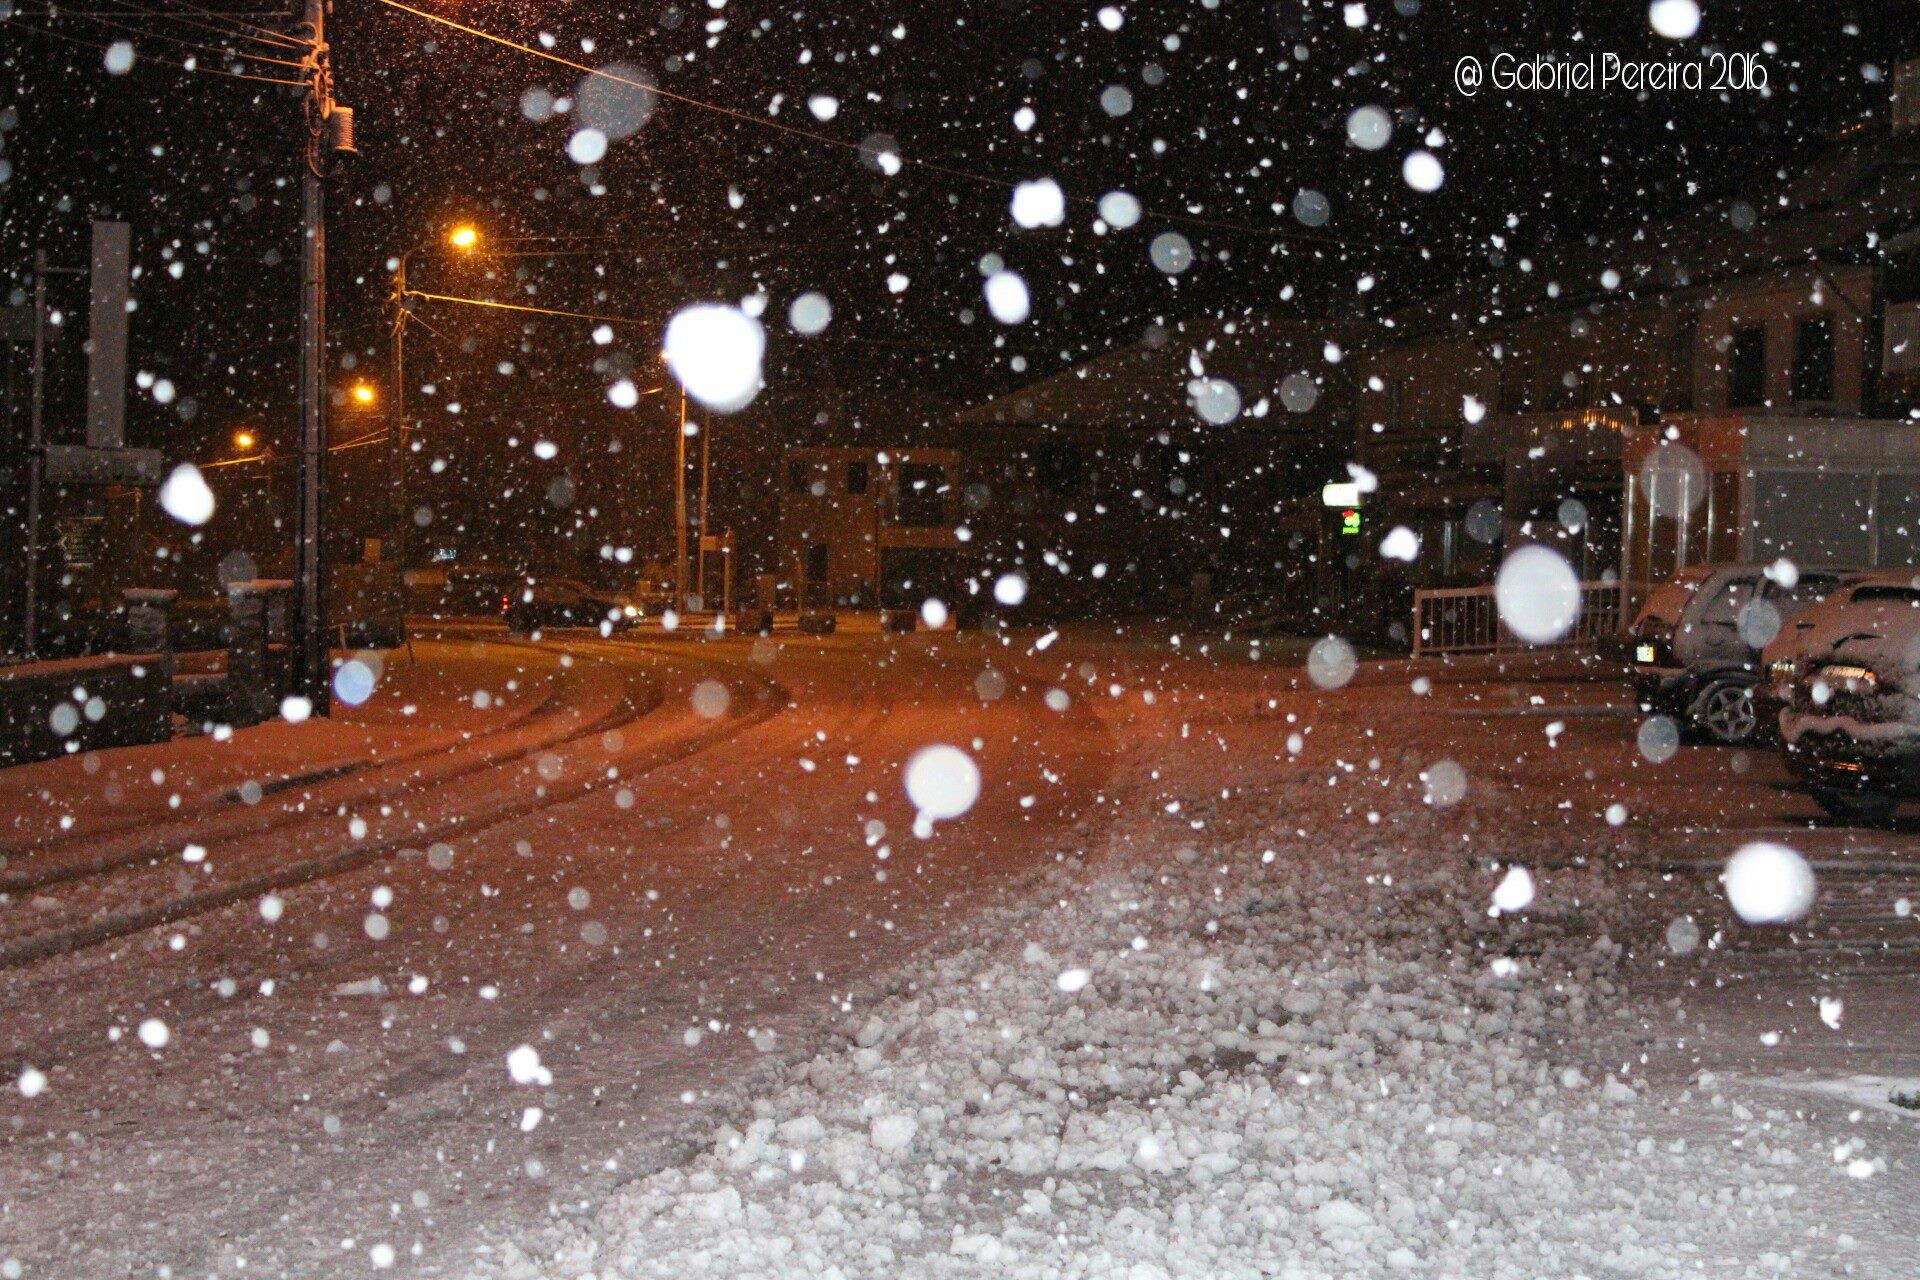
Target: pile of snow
[[1246, 1061]]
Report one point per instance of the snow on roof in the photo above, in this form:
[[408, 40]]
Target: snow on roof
[[1145, 383]]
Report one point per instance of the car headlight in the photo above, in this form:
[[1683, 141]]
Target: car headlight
[[630, 611]]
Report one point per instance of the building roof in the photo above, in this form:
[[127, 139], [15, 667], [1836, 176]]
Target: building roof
[[1146, 384]]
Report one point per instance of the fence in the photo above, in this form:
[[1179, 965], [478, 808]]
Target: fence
[[1466, 620]]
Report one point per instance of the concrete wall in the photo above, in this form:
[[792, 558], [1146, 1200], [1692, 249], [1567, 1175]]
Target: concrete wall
[[51, 708], [1777, 304]]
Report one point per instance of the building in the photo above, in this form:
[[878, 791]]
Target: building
[[1154, 477], [1768, 346], [1760, 338], [864, 528]]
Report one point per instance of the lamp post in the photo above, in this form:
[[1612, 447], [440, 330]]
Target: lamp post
[[465, 238], [680, 509], [700, 555]]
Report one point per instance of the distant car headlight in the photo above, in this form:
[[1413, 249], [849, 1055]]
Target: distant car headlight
[[630, 611]]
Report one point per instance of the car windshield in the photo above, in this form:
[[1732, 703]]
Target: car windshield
[[1886, 595], [1668, 602]]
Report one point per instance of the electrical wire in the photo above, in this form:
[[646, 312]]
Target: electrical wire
[[156, 62], [211, 20], [634, 320], [196, 45], [514, 306], [1271, 233], [240, 31], [191, 17]]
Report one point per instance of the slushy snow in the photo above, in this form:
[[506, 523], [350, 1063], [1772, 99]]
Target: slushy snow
[[1302, 1067]]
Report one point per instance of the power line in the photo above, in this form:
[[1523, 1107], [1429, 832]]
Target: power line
[[269, 457], [514, 306], [241, 31], [177, 40], [192, 17], [1218, 224], [634, 320], [156, 62]]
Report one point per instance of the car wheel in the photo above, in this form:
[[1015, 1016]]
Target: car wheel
[[1868, 807], [1725, 713]]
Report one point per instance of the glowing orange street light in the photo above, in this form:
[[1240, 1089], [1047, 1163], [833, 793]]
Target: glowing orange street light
[[243, 440], [463, 237], [363, 393]]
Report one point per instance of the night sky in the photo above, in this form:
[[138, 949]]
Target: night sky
[[1235, 108]]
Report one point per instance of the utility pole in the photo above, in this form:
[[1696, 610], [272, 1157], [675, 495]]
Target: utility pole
[[680, 509], [329, 134], [463, 238], [396, 435], [700, 555], [36, 453]]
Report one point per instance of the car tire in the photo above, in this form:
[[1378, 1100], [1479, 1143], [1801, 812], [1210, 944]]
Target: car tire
[[1723, 713], [1868, 807]]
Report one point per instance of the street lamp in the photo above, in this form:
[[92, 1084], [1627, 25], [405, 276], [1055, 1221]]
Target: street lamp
[[243, 440], [463, 238], [364, 395], [679, 501]]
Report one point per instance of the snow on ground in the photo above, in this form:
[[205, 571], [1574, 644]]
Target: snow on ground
[[1251, 1016], [1286, 1044]]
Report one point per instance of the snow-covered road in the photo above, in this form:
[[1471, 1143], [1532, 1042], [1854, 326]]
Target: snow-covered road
[[1177, 996]]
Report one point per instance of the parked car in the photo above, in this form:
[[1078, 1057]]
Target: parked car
[[1851, 728], [563, 602], [470, 590], [653, 595], [1698, 639], [1809, 635]]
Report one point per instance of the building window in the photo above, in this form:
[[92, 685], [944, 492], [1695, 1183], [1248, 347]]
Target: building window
[[922, 498], [1747, 367], [1061, 468], [856, 477], [1813, 360], [796, 477]]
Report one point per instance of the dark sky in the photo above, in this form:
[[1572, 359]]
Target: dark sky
[[1228, 122]]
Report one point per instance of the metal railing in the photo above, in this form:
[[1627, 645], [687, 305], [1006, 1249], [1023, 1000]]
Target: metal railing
[[1466, 620]]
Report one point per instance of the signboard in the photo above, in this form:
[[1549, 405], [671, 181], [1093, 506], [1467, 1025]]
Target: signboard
[[16, 324], [107, 337], [1341, 493], [1350, 521], [82, 464]]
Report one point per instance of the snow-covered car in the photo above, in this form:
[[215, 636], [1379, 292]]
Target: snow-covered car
[[1698, 639], [1851, 729], [1808, 636]]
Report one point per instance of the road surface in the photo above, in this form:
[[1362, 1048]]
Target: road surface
[[675, 868]]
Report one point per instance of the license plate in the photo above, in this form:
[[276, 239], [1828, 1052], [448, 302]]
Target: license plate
[[1643, 654]]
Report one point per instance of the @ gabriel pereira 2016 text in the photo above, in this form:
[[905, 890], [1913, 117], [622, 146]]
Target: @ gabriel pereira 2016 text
[[1532, 73]]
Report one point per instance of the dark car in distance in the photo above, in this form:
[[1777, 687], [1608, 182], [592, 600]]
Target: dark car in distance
[[562, 602]]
